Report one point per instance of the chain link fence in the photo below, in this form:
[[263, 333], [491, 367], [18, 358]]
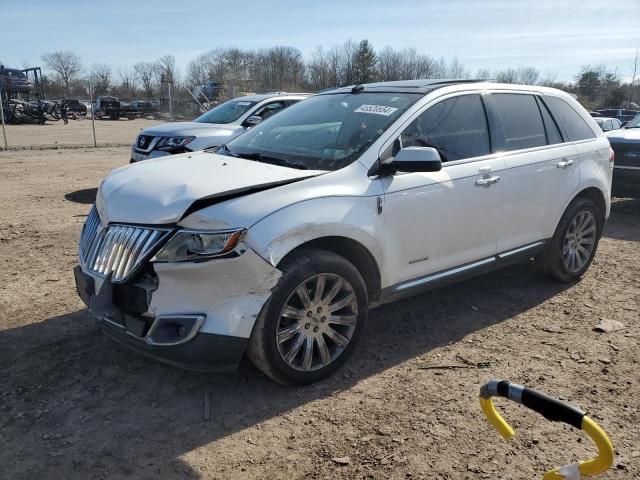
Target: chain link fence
[[31, 119]]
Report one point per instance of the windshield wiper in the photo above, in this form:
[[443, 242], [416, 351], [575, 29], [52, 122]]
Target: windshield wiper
[[258, 157]]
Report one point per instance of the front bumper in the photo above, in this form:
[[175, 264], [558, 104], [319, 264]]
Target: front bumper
[[173, 339], [140, 156], [196, 316]]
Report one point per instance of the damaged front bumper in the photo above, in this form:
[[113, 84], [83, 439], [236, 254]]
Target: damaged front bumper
[[194, 315]]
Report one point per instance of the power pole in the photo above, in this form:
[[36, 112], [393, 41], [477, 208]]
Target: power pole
[[633, 78], [4, 133], [93, 118], [170, 105]]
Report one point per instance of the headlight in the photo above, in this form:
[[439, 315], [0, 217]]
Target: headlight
[[190, 245], [174, 142]]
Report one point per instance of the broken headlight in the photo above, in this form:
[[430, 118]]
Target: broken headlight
[[191, 245]]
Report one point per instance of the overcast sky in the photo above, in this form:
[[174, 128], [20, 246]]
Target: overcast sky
[[551, 35]]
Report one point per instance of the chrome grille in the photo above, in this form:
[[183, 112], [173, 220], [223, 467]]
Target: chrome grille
[[116, 249], [89, 232]]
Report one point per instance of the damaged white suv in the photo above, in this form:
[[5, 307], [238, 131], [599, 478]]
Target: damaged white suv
[[277, 245]]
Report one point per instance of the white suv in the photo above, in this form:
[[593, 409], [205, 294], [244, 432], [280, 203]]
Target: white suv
[[211, 129], [277, 245]]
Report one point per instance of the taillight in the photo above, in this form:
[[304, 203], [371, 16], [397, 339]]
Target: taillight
[[612, 156]]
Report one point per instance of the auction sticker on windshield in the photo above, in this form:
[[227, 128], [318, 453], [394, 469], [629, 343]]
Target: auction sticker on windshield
[[376, 109]]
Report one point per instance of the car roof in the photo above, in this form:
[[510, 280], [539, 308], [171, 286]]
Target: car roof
[[401, 86]]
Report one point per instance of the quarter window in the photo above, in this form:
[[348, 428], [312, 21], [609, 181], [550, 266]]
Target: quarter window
[[456, 127], [521, 121], [573, 124]]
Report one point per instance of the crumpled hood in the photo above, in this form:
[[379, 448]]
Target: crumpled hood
[[190, 129], [161, 191], [624, 135]]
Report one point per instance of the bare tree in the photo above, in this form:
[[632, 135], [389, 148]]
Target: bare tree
[[483, 74], [145, 72], [457, 70], [100, 78], [319, 70], [67, 66], [166, 70], [550, 79], [127, 86], [528, 75], [197, 71]]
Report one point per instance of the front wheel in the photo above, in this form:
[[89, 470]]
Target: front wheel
[[570, 251], [313, 320]]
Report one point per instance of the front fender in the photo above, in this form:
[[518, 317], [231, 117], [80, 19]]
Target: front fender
[[355, 218]]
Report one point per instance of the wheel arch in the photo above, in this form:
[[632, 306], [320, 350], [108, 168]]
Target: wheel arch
[[353, 251], [596, 196]]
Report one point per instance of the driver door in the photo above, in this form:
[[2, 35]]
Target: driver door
[[439, 221]]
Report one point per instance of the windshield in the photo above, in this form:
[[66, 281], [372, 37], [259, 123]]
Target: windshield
[[599, 121], [635, 123], [226, 112], [325, 132]]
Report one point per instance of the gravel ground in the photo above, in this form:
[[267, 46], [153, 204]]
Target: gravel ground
[[73, 404]]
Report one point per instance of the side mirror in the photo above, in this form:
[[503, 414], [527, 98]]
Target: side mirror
[[417, 159], [606, 129], [253, 120]]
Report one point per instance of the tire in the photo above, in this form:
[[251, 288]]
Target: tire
[[272, 355], [556, 260]]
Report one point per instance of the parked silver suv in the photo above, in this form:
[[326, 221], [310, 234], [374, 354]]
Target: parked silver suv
[[211, 129]]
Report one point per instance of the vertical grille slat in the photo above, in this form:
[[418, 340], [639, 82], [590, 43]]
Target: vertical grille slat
[[116, 249]]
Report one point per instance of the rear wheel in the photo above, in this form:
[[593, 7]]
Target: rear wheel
[[574, 243], [313, 320]]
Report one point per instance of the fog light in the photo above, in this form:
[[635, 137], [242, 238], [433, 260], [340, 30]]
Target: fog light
[[167, 330]]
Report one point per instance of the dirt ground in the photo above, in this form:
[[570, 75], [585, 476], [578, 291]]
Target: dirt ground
[[73, 404], [76, 133]]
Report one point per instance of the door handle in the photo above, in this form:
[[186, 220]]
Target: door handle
[[488, 181], [564, 164]]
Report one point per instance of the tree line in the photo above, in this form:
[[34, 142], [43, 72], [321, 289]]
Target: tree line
[[285, 68]]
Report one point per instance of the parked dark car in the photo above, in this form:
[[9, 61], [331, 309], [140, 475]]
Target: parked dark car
[[626, 171], [110, 107], [145, 106], [14, 80]]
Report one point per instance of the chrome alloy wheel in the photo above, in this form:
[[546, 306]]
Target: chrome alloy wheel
[[317, 322], [579, 241]]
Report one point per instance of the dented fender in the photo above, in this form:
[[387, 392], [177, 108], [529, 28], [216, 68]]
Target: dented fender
[[230, 292], [355, 218]]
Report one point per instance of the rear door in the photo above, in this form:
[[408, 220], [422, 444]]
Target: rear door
[[542, 169]]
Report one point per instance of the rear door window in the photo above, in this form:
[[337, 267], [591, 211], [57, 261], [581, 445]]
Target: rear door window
[[456, 127], [521, 121], [574, 126]]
